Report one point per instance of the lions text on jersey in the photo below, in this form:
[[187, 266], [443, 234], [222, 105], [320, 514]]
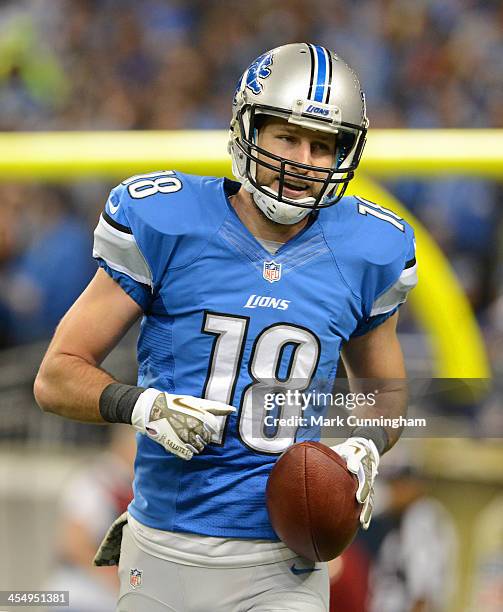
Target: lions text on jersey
[[224, 320]]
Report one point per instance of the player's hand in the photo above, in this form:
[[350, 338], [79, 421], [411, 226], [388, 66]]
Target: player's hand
[[182, 424], [362, 459]]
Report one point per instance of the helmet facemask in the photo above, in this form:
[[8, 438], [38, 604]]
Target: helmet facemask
[[350, 140]]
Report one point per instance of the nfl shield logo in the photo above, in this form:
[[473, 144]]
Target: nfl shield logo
[[135, 577], [272, 271]]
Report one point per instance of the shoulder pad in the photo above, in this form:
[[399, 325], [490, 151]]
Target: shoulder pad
[[374, 249], [151, 214]]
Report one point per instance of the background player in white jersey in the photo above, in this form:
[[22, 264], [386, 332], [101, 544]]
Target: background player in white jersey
[[191, 255]]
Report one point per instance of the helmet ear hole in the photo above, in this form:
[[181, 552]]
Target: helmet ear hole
[[345, 143]]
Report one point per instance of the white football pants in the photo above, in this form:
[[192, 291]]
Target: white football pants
[[296, 585]]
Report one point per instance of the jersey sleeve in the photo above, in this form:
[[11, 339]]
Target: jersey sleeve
[[116, 248], [392, 286], [397, 294]]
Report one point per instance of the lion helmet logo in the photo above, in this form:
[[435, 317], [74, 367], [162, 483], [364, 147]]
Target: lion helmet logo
[[258, 70]]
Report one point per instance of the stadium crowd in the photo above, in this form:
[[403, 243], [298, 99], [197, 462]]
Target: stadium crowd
[[171, 64]]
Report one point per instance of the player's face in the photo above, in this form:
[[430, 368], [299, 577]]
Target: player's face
[[298, 144]]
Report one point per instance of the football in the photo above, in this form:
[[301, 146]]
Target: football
[[311, 501]]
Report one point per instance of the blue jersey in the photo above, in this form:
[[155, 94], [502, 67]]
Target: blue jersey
[[226, 320]]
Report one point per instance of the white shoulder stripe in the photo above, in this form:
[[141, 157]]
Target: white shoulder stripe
[[397, 294], [121, 252]]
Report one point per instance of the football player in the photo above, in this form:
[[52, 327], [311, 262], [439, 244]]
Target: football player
[[242, 286]]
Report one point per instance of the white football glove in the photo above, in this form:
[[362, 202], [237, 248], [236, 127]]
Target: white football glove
[[182, 424], [362, 459]]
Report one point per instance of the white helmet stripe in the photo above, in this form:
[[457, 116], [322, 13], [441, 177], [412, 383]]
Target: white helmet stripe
[[314, 70], [328, 82]]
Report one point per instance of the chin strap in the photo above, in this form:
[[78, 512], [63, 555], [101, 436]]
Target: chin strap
[[279, 212]]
